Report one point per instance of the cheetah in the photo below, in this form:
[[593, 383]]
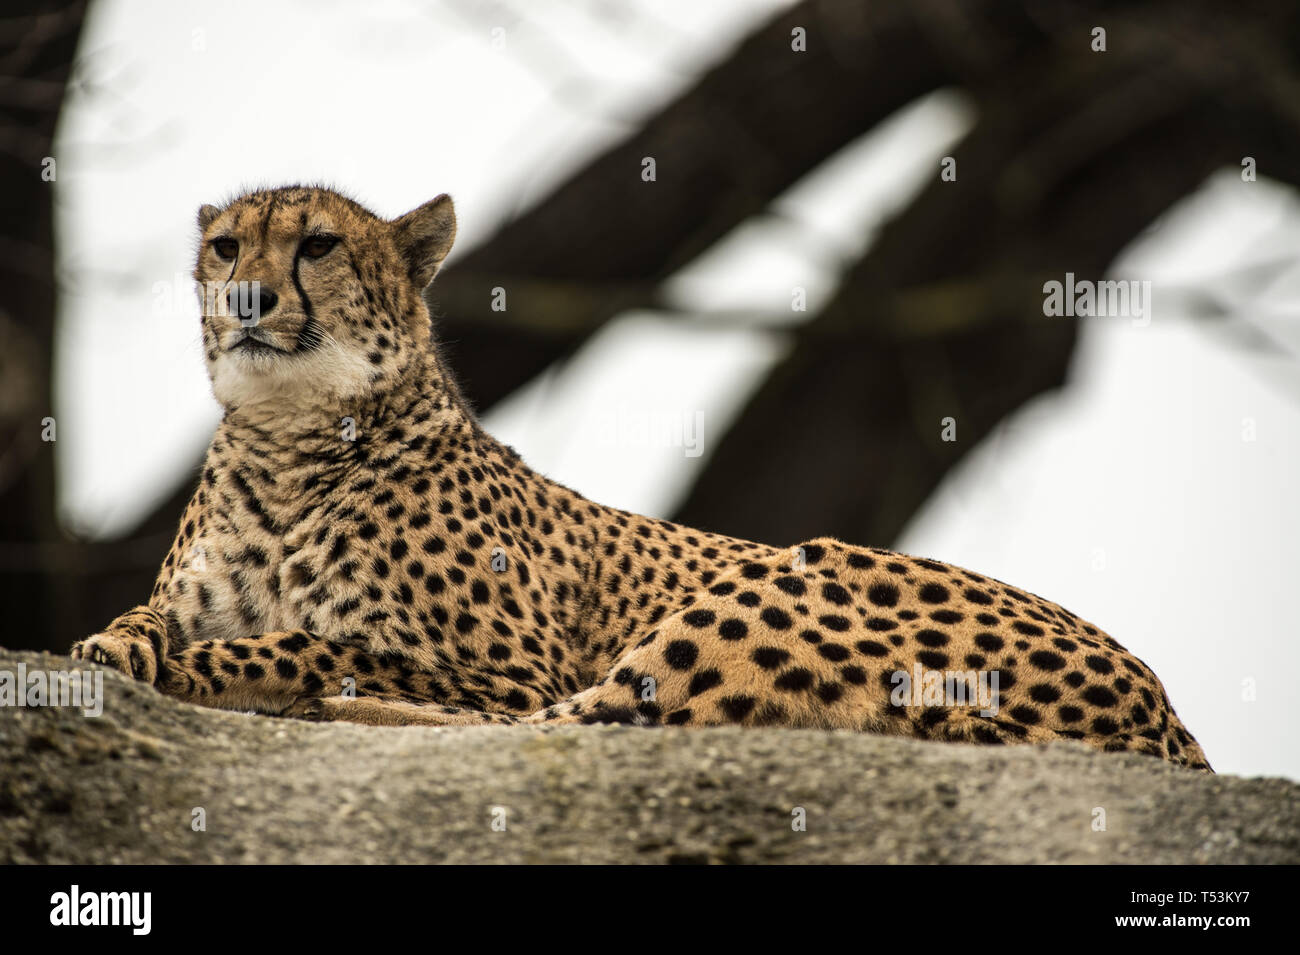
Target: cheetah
[[358, 548]]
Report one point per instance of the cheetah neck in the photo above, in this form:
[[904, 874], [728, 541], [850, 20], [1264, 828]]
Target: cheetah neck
[[297, 455], [325, 428], [418, 448]]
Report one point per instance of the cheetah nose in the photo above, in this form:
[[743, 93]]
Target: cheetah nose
[[245, 306]]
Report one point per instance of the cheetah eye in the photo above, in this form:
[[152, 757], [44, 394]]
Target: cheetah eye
[[225, 248], [315, 246]]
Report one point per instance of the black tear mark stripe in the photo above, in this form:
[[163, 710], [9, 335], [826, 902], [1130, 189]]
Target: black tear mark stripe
[[239, 254], [309, 336]]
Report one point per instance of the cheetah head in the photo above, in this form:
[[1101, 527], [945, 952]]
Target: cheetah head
[[308, 296]]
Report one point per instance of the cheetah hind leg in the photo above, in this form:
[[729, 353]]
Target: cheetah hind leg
[[962, 727], [956, 726], [389, 711], [392, 711]]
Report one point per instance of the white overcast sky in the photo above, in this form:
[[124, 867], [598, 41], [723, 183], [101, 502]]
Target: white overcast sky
[[1130, 497]]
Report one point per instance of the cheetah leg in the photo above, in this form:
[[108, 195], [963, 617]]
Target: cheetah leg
[[288, 673], [957, 726], [963, 727], [265, 673], [269, 672], [660, 681], [134, 643], [385, 711], [712, 666], [388, 711]]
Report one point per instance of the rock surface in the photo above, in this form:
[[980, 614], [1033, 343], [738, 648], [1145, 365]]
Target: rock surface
[[125, 787]]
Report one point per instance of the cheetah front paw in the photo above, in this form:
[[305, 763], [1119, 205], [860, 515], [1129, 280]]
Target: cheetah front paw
[[311, 708], [130, 655]]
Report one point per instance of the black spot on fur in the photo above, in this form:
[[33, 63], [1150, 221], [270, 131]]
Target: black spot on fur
[[1047, 660], [681, 654], [698, 618], [794, 680], [1100, 696], [932, 638], [770, 658], [934, 593], [883, 595], [776, 618], [836, 594], [732, 629]]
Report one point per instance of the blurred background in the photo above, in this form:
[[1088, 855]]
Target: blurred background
[[770, 268]]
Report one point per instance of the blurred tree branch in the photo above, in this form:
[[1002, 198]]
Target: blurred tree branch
[[747, 130], [38, 39]]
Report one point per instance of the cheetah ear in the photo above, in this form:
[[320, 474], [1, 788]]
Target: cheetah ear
[[206, 215], [424, 237]]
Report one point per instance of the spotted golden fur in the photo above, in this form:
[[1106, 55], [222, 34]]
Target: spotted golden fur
[[358, 548]]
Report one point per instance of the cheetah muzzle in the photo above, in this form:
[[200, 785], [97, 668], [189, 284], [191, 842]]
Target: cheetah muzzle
[[358, 548]]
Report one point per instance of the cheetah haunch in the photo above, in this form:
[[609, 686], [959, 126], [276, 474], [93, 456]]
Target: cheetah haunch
[[358, 548]]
